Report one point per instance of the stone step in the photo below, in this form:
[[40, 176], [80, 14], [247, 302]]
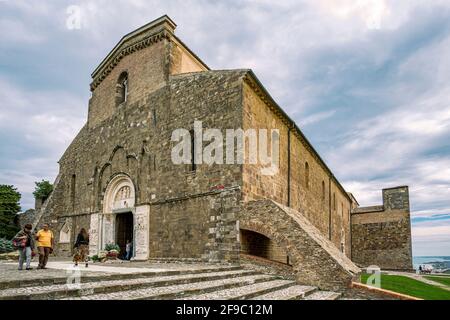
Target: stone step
[[244, 292], [109, 286], [323, 295], [178, 291], [294, 292], [109, 276]]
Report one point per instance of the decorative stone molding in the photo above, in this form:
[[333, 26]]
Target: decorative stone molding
[[120, 194], [141, 219], [128, 45]]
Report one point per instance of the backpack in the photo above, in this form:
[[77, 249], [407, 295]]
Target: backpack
[[19, 243]]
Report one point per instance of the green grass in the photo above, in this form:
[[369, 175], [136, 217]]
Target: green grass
[[411, 287], [441, 279]]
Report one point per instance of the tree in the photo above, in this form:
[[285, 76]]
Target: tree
[[9, 207], [42, 190]]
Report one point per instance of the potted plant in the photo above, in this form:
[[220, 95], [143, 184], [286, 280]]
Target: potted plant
[[112, 251]]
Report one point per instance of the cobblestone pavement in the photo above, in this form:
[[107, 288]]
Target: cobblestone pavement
[[125, 284], [293, 292], [9, 272], [236, 293], [323, 295], [58, 269], [159, 292]]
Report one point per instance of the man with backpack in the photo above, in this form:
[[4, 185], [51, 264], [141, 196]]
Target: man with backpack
[[24, 242]]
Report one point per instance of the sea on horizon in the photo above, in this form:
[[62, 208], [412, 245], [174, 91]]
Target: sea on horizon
[[431, 260]]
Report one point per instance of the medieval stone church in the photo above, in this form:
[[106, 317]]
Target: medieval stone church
[[117, 178]]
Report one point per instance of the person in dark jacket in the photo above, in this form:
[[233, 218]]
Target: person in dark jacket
[[81, 248], [25, 252]]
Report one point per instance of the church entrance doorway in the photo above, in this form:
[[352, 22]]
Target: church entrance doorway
[[124, 231]]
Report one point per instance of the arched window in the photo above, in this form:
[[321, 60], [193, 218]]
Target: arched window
[[307, 175], [64, 234], [122, 88]]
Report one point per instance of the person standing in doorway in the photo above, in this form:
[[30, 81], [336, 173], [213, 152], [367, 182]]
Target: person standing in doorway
[[27, 246], [128, 250], [45, 242], [82, 248]]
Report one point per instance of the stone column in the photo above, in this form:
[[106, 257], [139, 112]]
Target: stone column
[[93, 234], [141, 232], [223, 244], [108, 229]]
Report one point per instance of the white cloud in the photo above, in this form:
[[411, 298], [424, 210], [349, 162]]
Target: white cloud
[[315, 57], [316, 117]]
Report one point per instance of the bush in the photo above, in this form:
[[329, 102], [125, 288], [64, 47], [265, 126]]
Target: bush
[[42, 189], [112, 246], [6, 246]]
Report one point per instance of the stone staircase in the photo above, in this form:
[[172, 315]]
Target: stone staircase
[[224, 283]]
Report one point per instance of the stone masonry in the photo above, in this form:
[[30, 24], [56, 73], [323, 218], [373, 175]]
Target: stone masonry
[[381, 235], [117, 178]]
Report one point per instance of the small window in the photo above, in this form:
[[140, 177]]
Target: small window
[[307, 175], [334, 201], [73, 186], [323, 190], [122, 88], [193, 164]]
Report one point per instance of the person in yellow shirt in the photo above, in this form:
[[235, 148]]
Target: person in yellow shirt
[[44, 242]]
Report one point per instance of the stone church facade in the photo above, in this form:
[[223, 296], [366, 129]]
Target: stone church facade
[[117, 178]]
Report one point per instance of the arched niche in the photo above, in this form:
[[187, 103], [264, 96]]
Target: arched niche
[[120, 194]]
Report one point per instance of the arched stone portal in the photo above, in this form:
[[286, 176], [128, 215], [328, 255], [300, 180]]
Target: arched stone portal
[[121, 219], [259, 245], [315, 259]]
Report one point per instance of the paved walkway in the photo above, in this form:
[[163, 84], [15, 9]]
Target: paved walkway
[[58, 269]]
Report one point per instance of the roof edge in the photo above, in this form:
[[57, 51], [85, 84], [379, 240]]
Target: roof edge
[[292, 125], [152, 24]]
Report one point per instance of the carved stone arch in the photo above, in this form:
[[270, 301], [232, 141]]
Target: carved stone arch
[[120, 193]]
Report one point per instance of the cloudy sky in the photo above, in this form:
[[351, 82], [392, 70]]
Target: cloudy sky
[[368, 81]]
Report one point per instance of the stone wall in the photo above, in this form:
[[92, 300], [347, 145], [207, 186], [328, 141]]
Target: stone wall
[[319, 196], [316, 260], [136, 141], [381, 235]]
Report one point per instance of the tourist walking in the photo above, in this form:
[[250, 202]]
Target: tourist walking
[[82, 248], [24, 242], [128, 250], [45, 242]]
